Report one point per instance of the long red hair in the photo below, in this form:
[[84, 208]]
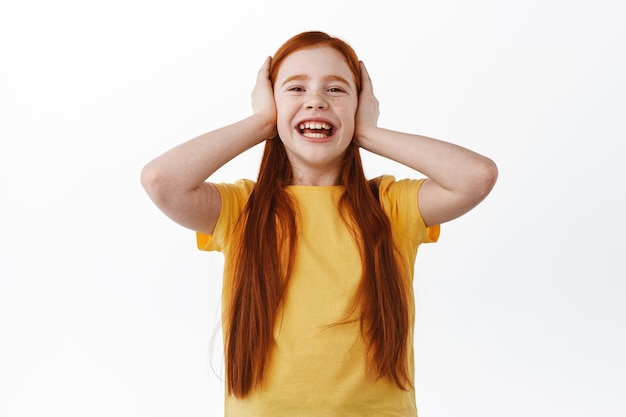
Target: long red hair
[[266, 251]]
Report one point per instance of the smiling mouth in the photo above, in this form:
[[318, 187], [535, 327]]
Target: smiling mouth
[[316, 130]]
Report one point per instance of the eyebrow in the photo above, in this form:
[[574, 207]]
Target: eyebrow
[[302, 77]]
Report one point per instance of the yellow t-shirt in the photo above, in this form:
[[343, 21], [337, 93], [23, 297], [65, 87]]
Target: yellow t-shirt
[[316, 369]]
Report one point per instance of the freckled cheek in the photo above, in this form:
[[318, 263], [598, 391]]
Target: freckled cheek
[[347, 107], [285, 111], [348, 116]]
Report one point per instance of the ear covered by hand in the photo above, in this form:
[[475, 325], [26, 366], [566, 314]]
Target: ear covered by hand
[[368, 110], [263, 96]]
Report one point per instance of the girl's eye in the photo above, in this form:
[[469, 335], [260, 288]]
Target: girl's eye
[[335, 90], [296, 89]]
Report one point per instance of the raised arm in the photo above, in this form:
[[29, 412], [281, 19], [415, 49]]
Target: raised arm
[[176, 180], [458, 179]]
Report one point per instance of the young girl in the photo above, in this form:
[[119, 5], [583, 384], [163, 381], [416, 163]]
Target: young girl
[[318, 306]]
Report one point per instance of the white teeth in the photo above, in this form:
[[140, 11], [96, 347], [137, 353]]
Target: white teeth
[[316, 130], [315, 135], [314, 125]]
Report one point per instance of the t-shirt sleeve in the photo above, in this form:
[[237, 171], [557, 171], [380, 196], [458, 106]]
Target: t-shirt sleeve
[[234, 198], [399, 201]]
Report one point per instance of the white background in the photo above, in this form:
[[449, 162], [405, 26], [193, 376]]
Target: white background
[[108, 309]]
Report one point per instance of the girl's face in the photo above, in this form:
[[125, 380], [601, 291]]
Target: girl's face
[[316, 103]]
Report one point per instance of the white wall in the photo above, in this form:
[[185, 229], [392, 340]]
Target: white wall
[[106, 307]]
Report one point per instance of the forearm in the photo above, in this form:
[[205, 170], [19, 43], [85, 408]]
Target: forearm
[[453, 167], [188, 165]]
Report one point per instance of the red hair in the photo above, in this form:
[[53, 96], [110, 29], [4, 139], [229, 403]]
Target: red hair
[[266, 251]]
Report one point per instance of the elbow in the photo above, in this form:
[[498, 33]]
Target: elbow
[[485, 178], [479, 181], [152, 182]]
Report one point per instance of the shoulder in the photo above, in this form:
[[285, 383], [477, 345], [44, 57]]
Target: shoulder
[[391, 190], [399, 200], [234, 197], [243, 186], [236, 193]]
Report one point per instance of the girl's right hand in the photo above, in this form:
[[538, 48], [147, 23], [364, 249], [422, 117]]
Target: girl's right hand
[[263, 103], [368, 111]]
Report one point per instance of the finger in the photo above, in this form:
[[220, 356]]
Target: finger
[[265, 68], [266, 63], [366, 81]]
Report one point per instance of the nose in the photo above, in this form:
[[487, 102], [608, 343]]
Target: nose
[[315, 101]]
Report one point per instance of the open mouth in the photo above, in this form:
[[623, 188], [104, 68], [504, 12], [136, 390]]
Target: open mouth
[[316, 130]]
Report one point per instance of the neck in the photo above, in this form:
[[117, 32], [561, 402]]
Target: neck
[[315, 177]]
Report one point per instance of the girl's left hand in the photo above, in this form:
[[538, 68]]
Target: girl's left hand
[[367, 112]]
